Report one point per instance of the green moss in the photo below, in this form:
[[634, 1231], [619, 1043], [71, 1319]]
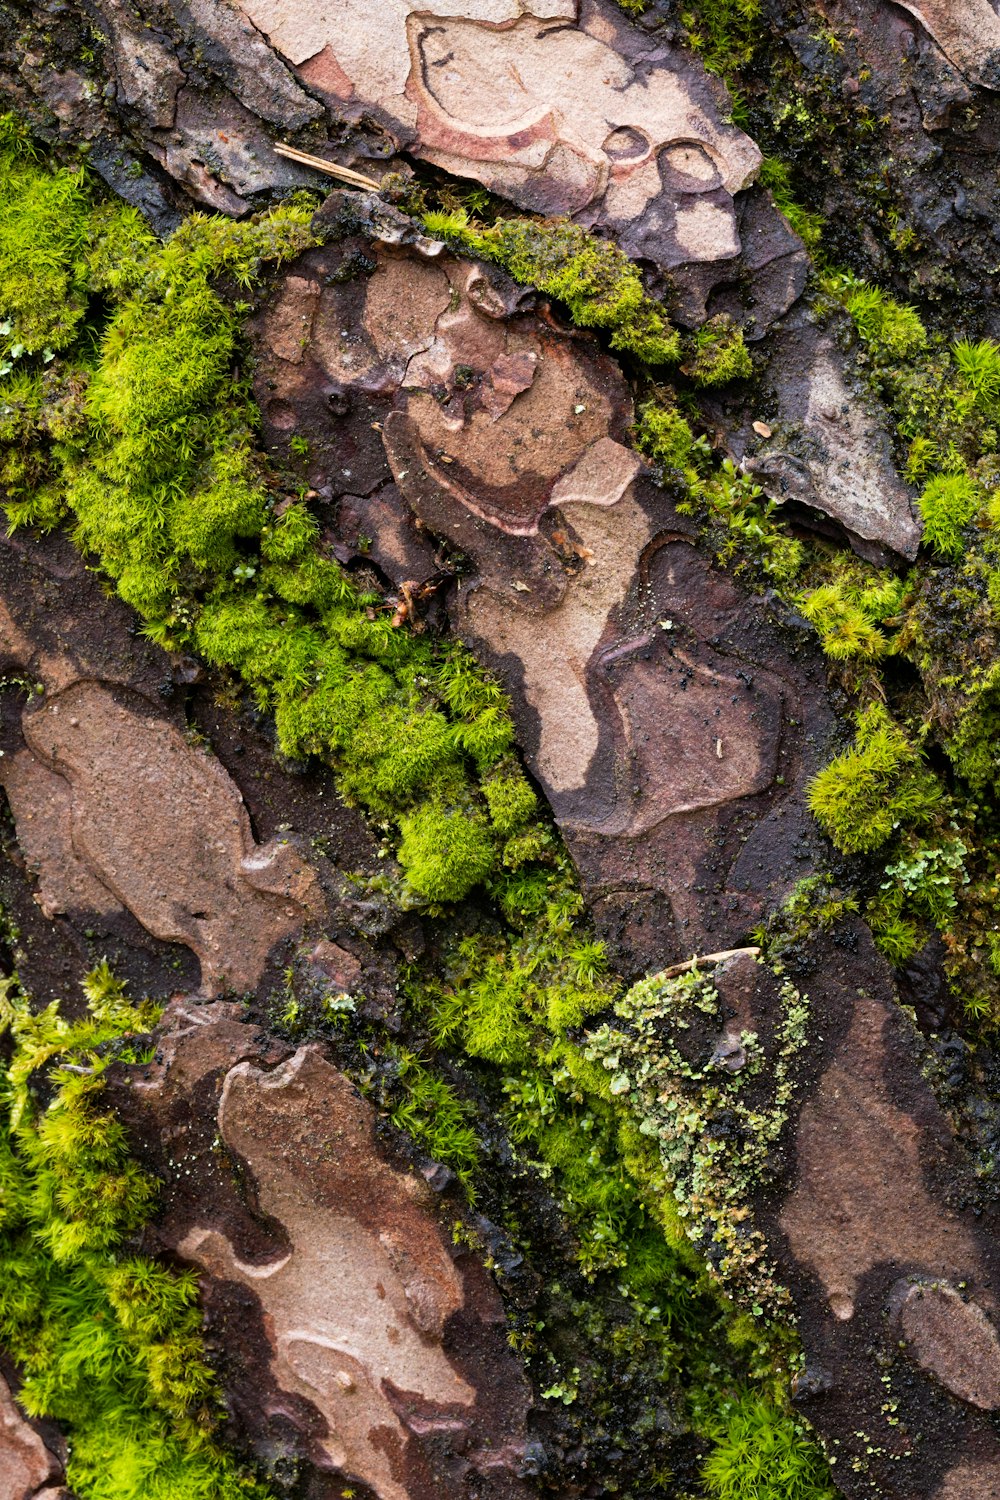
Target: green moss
[[896, 933], [764, 1454], [43, 244], [891, 328], [444, 851], [931, 875], [142, 440], [978, 363], [719, 354], [725, 33], [852, 611], [739, 519], [666, 435], [430, 1111], [108, 1343], [948, 503], [510, 798], [600, 286], [866, 793]]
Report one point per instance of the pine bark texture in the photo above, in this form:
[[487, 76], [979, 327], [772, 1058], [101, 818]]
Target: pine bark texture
[[471, 454]]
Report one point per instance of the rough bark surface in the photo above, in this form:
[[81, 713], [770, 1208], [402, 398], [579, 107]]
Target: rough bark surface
[[474, 453]]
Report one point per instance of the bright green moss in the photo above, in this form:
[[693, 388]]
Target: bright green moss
[[108, 1343], [948, 503], [764, 1454], [896, 936], [852, 611], [510, 798], [891, 328], [663, 433], [867, 792], [445, 851], [600, 286], [978, 363], [725, 33], [740, 520], [145, 447], [719, 353], [43, 242]]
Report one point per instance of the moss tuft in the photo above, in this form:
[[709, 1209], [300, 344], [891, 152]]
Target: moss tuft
[[444, 851], [892, 328], [978, 363], [851, 612], [719, 354], [863, 795], [763, 1454], [948, 503]]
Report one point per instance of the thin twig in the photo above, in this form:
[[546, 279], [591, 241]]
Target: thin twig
[[704, 958], [356, 179]]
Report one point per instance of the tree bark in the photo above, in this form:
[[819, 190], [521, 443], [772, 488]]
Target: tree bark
[[471, 455]]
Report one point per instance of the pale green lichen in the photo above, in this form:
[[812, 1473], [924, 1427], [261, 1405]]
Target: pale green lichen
[[681, 1104]]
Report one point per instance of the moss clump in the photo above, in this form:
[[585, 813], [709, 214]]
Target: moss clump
[[978, 363], [665, 434], [43, 249], [892, 328], [108, 1342], [739, 519], [865, 794], [777, 176], [851, 613], [444, 851], [948, 503], [718, 353], [763, 1454], [600, 286]]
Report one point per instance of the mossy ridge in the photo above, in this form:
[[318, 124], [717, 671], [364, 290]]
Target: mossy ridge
[[600, 286], [884, 796], [739, 522], [140, 437], [145, 447], [942, 618], [108, 1342]]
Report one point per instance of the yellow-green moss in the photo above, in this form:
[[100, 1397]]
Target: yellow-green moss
[[948, 502], [600, 286], [145, 447], [867, 792], [764, 1454], [108, 1343], [718, 353]]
